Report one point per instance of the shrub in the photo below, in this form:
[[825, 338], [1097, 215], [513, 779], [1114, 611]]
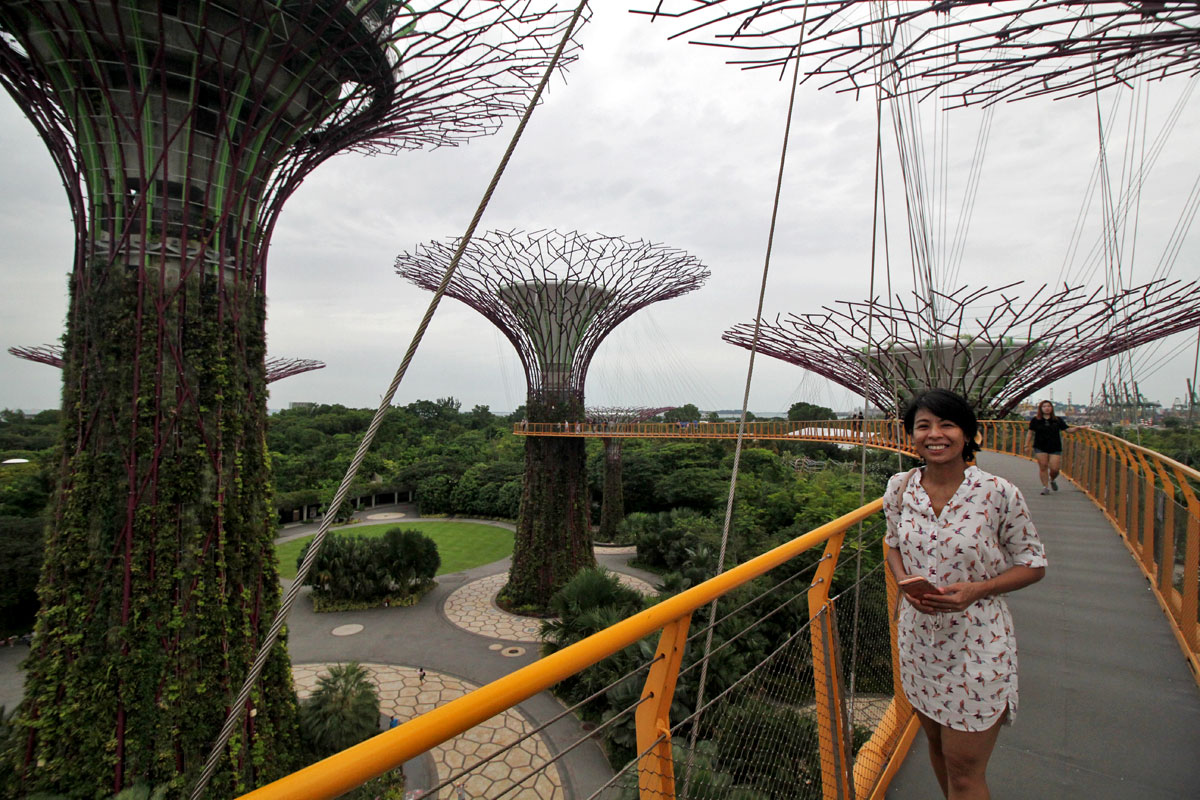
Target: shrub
[[592, 600], [359, 572], [664, 540]]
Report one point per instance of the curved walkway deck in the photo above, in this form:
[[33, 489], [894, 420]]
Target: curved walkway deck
[[1109, 708]]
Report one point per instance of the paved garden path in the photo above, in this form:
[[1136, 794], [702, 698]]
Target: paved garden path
[[460, 639]]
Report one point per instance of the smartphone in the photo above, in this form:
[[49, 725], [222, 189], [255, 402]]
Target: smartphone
[[918, 586]]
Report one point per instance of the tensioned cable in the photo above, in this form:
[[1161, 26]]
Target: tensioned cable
[[237, 709], [737, 449], [866, 406]]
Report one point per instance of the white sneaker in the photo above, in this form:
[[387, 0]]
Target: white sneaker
[[1045, 490]]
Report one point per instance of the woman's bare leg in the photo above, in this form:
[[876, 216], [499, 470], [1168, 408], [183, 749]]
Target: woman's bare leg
[[933, 733], [1043, 460], [966, 755], [1053, 463]]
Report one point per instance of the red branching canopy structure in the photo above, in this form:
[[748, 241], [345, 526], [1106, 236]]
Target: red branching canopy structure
[[556, 296], [978, 52], [615, 415], [179, 130], [988, 345], [277, 368], [51, 354]]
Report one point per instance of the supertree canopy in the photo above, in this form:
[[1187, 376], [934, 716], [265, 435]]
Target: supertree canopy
[[978, 52], [179, 130], [988, 345], [556, 296], [277, 368], [612, 506]]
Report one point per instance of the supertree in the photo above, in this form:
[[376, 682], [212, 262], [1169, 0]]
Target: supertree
[[977, 52], [179, 130], [612, 504], [276, 368], [993, 348], [555, 296]]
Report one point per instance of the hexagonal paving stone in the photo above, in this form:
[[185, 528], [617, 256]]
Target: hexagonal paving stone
[[486, 780]]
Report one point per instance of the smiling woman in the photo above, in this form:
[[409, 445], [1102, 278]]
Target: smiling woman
[[461, 545], [967, 536]]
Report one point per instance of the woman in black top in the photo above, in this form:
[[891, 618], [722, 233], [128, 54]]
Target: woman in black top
[[1045, 439]]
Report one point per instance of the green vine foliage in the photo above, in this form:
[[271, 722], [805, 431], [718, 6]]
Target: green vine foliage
[[612, 508], [159, 579], [553, 540]]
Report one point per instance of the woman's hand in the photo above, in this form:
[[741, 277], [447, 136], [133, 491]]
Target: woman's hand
[[922, 604], [956, 596]]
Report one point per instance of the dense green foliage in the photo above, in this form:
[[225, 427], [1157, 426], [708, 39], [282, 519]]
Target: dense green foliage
[[342, 711], [805, 411], [25, 490], [1174, 439], [359, 572], [20, 563], [427, 447]]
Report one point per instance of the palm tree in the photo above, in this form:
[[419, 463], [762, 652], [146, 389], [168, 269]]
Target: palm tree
[[342, 711]]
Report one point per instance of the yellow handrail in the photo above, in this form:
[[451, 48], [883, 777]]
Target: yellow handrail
[[352, 767]]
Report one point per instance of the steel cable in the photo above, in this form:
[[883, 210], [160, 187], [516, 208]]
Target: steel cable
[[238, 708], [737, 450]]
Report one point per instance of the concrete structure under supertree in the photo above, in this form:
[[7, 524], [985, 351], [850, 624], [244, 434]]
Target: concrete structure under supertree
[[556, 296], [612, 504], [179, 129], [276, 368], [992, 347], [973, 52]]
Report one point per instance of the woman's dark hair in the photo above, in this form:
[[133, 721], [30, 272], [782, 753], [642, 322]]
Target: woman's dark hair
[[947, 405], [1039, 409]]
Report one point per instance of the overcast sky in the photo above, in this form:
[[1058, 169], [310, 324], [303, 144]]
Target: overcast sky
[[645, 138]]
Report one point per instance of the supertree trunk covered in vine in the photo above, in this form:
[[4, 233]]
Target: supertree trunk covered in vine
[[553, 539], [556, 296], [612, 505], [179, 130]]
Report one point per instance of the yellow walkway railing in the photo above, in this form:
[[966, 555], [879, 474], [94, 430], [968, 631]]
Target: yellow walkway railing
[[1150, 499]]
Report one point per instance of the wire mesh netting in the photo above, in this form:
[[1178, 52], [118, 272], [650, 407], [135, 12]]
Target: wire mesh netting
[[758, 731]]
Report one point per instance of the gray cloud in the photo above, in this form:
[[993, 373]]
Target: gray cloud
[[646, 138]]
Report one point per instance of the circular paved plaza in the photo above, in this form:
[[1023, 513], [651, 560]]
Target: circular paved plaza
[[403, 694], [473, 608]]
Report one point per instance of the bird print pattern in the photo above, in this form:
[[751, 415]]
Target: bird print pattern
[[960, 669]]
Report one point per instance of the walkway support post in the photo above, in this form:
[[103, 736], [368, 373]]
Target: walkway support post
[[833, 736], [656, 766]]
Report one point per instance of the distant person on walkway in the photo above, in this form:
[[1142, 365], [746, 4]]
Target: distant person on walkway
[[969, 534], [1045, 439]]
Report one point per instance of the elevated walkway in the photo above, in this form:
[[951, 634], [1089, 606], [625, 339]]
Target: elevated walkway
[[1109, 707]]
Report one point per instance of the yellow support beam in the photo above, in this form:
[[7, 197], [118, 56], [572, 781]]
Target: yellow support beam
[[656, 767]]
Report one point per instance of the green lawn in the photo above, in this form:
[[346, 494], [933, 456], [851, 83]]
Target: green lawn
[[461, 545]]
